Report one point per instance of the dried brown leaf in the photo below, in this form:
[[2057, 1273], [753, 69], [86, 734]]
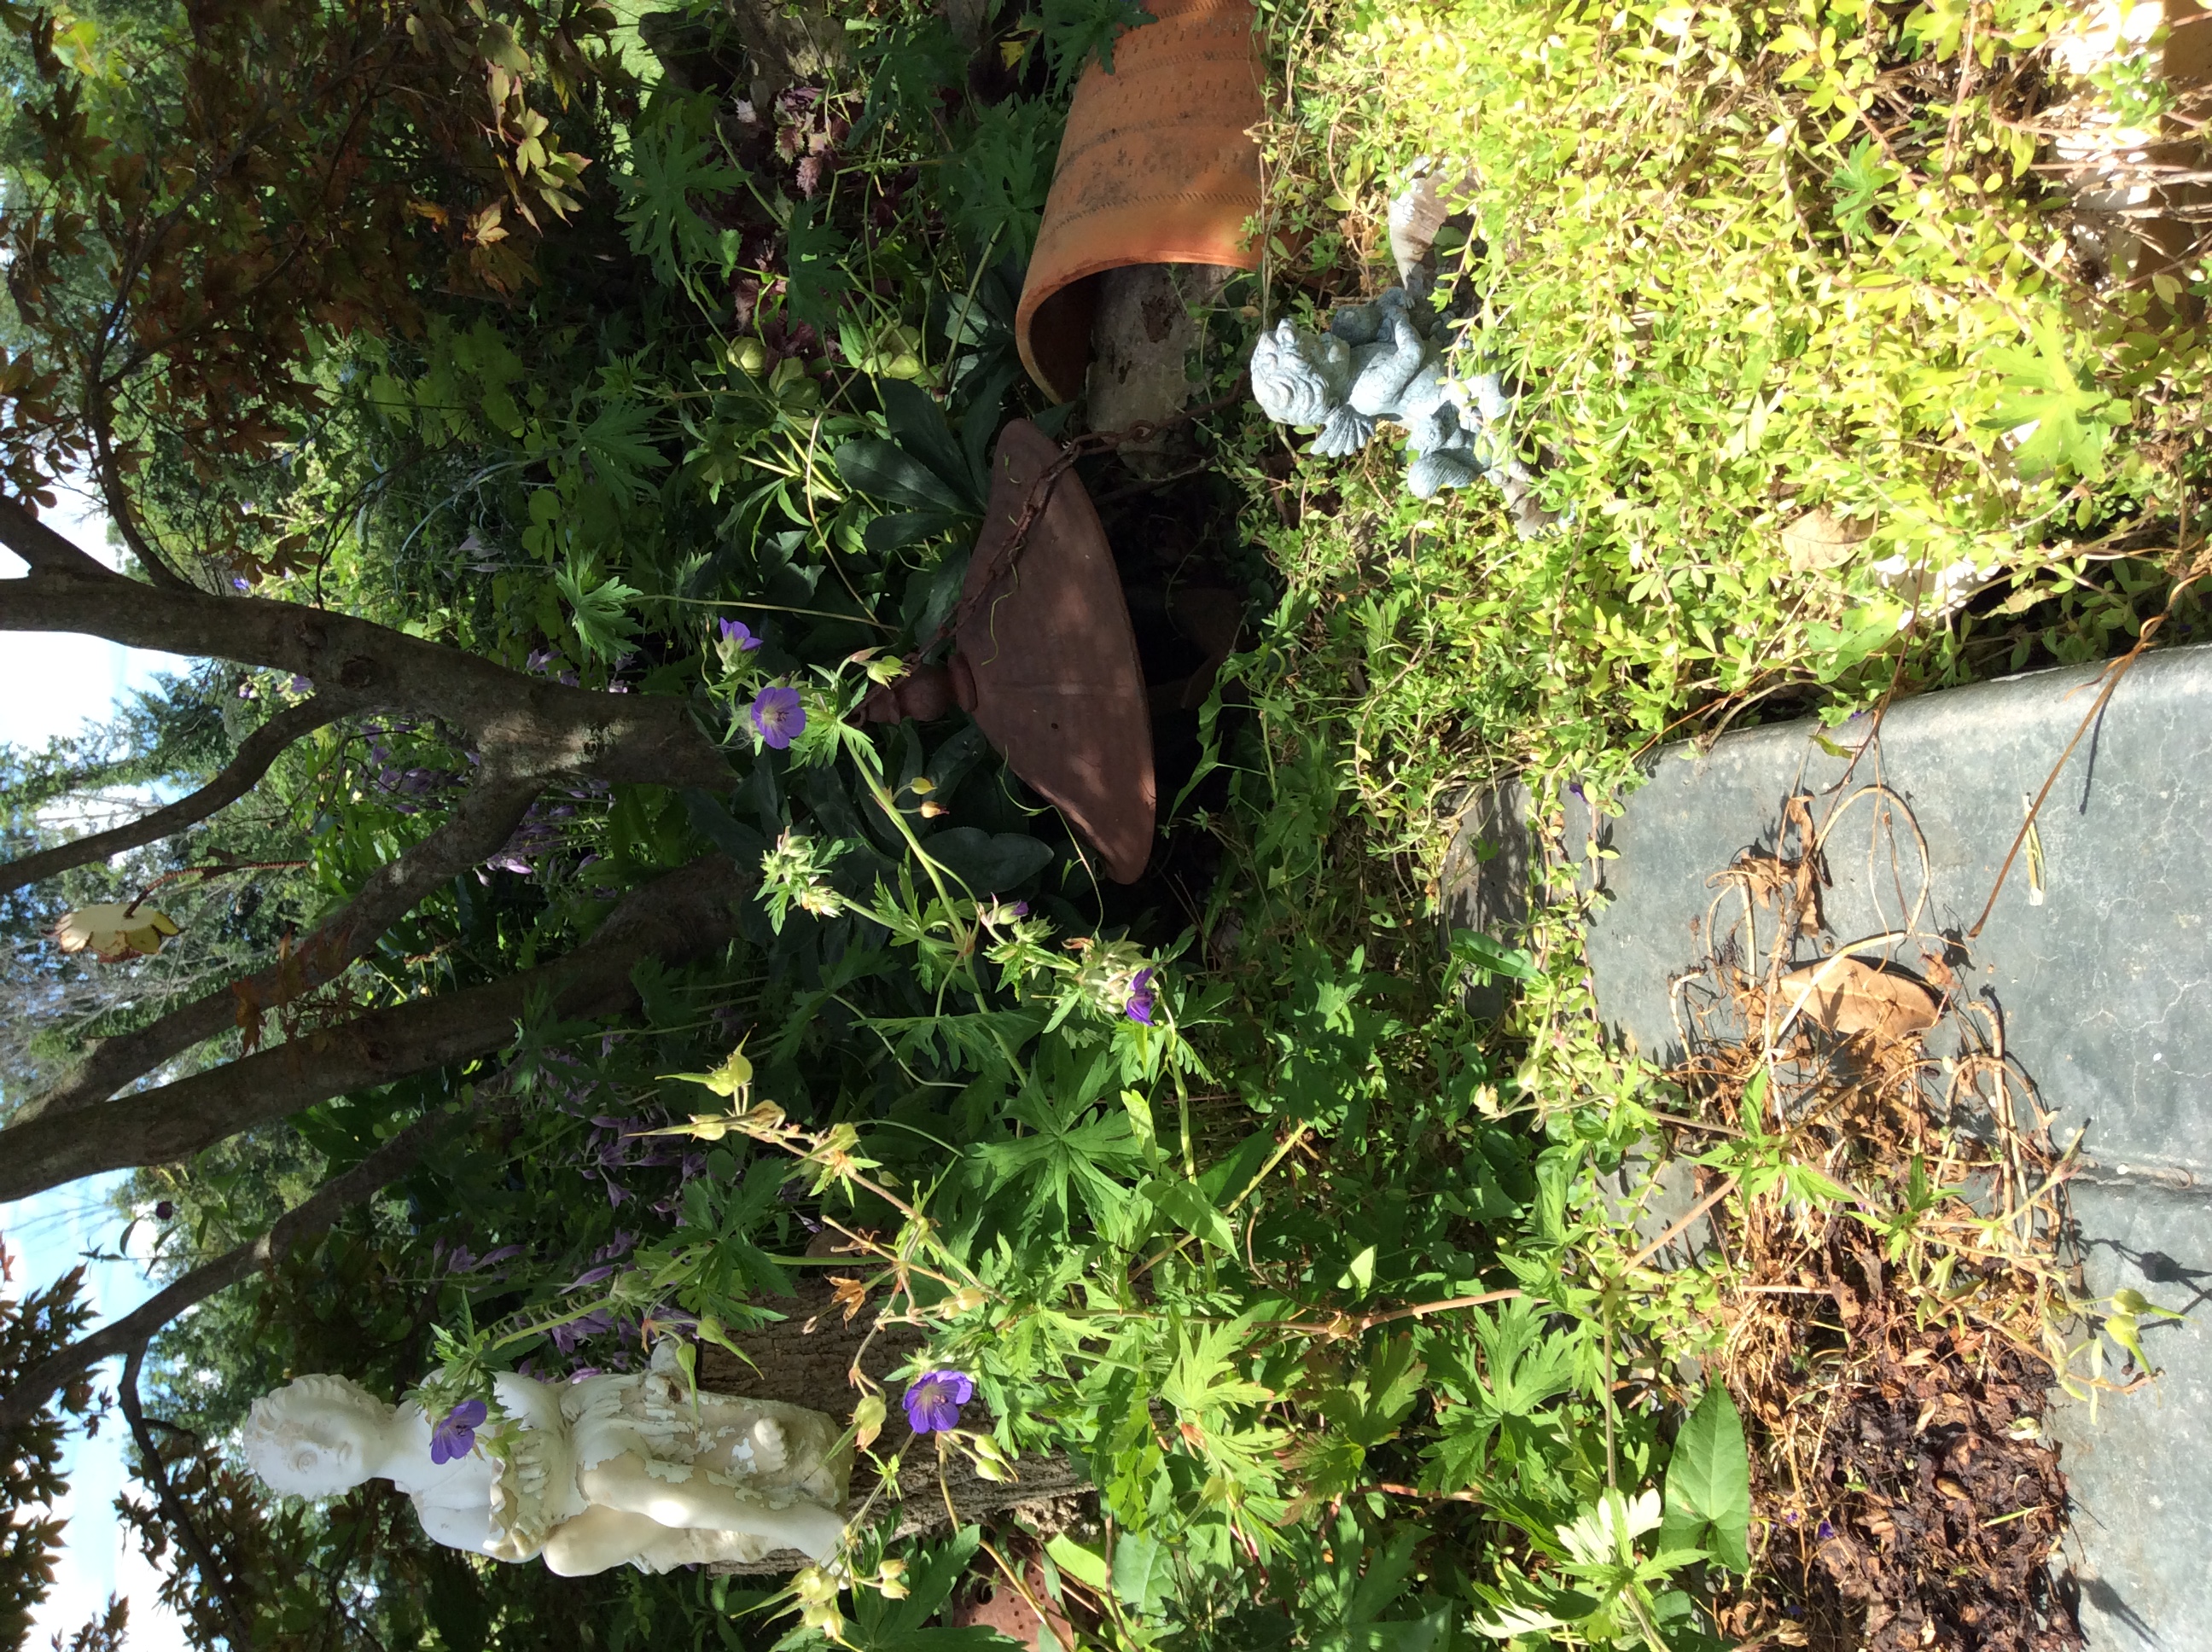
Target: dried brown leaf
[[1848, 997], [1821, 538]]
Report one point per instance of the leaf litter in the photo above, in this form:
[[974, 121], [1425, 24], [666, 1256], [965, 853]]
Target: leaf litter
[[1891, 1353]]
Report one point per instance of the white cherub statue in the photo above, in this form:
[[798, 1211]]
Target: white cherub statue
[[588, 1474]]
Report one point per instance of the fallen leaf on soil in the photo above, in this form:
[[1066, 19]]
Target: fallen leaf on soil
[[1849, 997]]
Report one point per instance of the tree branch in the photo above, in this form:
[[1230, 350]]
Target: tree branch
[[676, 918], [524, 723], [120, 511], [46, 552], [156, 1474], [255, 753], [304, 1221], [484, 819]]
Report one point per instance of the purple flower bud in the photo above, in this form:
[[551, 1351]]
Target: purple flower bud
[[1824, 1532], [738, 632], [1144, 1001], [932, 1403], [456, 1437], [778, 715], [164, 1211]]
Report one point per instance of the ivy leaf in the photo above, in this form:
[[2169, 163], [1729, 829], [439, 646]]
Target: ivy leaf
[[1709, 1485]]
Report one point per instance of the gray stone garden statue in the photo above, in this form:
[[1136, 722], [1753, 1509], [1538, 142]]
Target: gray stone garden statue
[[1385, 360], [589, 1475]]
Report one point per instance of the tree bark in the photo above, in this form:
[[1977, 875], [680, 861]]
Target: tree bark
[[676, 918], [303, 1221], [46, 551], [523, 725], [807, 1359], [484, 819], [255, 753]]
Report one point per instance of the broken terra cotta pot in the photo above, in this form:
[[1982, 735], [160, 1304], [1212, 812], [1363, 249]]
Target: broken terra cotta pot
[[1045, 659]]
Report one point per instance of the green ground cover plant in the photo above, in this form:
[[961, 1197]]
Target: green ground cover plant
[[1218, 1190]]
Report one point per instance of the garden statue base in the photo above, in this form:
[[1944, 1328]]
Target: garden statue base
[[629, 1469]]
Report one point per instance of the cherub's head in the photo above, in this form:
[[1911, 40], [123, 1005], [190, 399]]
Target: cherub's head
[[1298, 377], [315, 1437]]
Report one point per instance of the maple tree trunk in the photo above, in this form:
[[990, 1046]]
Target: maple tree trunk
[[807, 1360], [519, 725], [675, 918], [522, 732]]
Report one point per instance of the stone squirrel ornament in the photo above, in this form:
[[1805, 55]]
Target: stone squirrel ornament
[[633, 1468]]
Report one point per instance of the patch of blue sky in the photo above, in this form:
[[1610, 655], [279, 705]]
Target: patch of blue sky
[[53, 684]]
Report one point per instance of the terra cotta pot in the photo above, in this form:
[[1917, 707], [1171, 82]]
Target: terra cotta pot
[[1045, 661], [1159, 166]]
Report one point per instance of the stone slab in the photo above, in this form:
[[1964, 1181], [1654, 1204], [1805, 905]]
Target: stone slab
[[2102, 977], [2141, 1546]]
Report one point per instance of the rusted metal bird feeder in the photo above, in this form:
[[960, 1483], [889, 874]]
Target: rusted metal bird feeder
[[1045, 659]]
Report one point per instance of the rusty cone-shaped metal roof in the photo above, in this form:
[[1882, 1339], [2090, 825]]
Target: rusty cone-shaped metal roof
[[1045, 661], [1045, 636]]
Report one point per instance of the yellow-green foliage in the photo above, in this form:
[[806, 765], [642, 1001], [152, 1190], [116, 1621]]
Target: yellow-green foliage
[[1748, 261]]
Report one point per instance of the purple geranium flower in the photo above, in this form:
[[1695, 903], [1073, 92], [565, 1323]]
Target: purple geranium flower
[[1144, 1001], [738, 632], [456, 1437], [933, 1405], [779, 716]]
